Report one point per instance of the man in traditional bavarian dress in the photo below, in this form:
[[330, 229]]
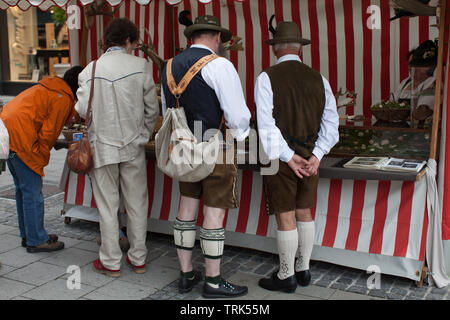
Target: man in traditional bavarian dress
[[215, 93], [298, 124]]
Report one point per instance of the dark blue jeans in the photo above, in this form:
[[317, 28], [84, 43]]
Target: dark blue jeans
[[29, 201]]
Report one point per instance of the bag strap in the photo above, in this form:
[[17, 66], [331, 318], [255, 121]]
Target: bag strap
[[177, 90], [91, 96]]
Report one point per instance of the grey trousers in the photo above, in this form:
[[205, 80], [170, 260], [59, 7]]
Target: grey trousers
[[131, 178]]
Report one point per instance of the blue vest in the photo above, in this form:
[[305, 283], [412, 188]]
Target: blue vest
[[199, 101]]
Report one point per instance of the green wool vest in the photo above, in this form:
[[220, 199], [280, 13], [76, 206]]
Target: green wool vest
[[299, 101]]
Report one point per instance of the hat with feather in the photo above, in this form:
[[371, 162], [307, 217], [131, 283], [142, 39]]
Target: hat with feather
[[286, 32], [206, 22]]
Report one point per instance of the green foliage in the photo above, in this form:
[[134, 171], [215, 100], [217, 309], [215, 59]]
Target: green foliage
[[59, 16]]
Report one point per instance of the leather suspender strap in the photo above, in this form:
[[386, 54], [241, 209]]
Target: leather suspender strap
[[177, 90], [91, 96]]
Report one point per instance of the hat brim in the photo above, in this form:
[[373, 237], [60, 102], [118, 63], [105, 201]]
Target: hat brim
[[302, 41], [225, 36], [421, 63]]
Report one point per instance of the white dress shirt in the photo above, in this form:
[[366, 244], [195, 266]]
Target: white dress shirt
[[222, 77], [272, 140]]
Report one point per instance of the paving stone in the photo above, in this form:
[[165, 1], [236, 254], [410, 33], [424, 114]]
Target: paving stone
[[249, 266], [69, 242], [15, 231], [315, 291], [6, 229], [71, 256], [440, 291], [57, 290], [12, 288], [19, 257], [432, 296], [393, 296], [287, 296], [21, 298], [339, 286], [377, 293], [265, 269], [121, 290], [399, 291], [323, 283], [419, 294], [228, 266], [157, 276], [9, 242], [154, 254], [358, 289], [402, 283], [344, 280], [386, 284], [4, 269], [352, 274], [166, 261], [37, 273], [343, 295], [362, 281], [90, 277], [88, 245], [411, 297]]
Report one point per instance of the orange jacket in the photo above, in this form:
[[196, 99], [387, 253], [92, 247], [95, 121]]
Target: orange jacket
[[35, 118]]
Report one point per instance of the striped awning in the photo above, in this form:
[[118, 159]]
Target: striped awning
[[47, 4]]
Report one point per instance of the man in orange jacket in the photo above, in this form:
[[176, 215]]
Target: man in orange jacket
[[35, 119]]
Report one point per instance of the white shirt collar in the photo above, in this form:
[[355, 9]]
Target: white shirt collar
[[201, 46], [289, 57]]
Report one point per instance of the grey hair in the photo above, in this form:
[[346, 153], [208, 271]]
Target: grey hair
[[287, 45]]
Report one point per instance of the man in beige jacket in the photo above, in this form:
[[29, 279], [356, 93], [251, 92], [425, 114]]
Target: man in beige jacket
[[124, 112]]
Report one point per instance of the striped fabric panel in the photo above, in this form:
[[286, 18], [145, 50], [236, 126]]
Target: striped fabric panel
[[343, 49]]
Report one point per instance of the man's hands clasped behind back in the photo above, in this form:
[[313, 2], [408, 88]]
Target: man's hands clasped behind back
[[302, 167]]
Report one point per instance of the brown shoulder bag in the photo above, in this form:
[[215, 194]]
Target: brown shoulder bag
[[79, 155]]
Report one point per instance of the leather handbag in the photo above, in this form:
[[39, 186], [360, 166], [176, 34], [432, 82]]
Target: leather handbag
[[79, 155]]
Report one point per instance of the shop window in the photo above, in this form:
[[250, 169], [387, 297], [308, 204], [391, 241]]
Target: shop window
[[37, 44]]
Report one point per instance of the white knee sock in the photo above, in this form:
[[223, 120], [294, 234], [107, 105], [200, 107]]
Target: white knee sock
[[306, 233], [287, 248]]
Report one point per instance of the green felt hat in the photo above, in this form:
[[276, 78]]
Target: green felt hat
[[287, 31], [208, 22]]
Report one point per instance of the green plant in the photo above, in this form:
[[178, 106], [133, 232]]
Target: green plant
[[58, 16], [390, 105]]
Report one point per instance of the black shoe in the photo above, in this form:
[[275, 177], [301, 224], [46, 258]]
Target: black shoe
[[303, 278], [185, 284], [274, 283], [51, 237], [224, 290]]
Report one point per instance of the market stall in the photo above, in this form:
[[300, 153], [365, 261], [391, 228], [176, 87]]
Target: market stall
[[363, 218]]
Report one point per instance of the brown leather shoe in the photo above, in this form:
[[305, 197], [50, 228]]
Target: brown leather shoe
[[52, 237], [48, 246]]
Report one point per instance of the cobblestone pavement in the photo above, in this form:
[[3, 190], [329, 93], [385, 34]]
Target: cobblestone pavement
[[160, 282]]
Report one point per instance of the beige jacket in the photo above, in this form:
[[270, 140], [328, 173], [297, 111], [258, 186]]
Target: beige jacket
[[124, 108]]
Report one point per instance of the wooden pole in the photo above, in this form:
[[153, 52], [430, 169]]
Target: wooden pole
[[439, 73], [171, 26]]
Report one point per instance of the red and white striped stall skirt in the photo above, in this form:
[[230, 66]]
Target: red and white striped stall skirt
[[358, 223]]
